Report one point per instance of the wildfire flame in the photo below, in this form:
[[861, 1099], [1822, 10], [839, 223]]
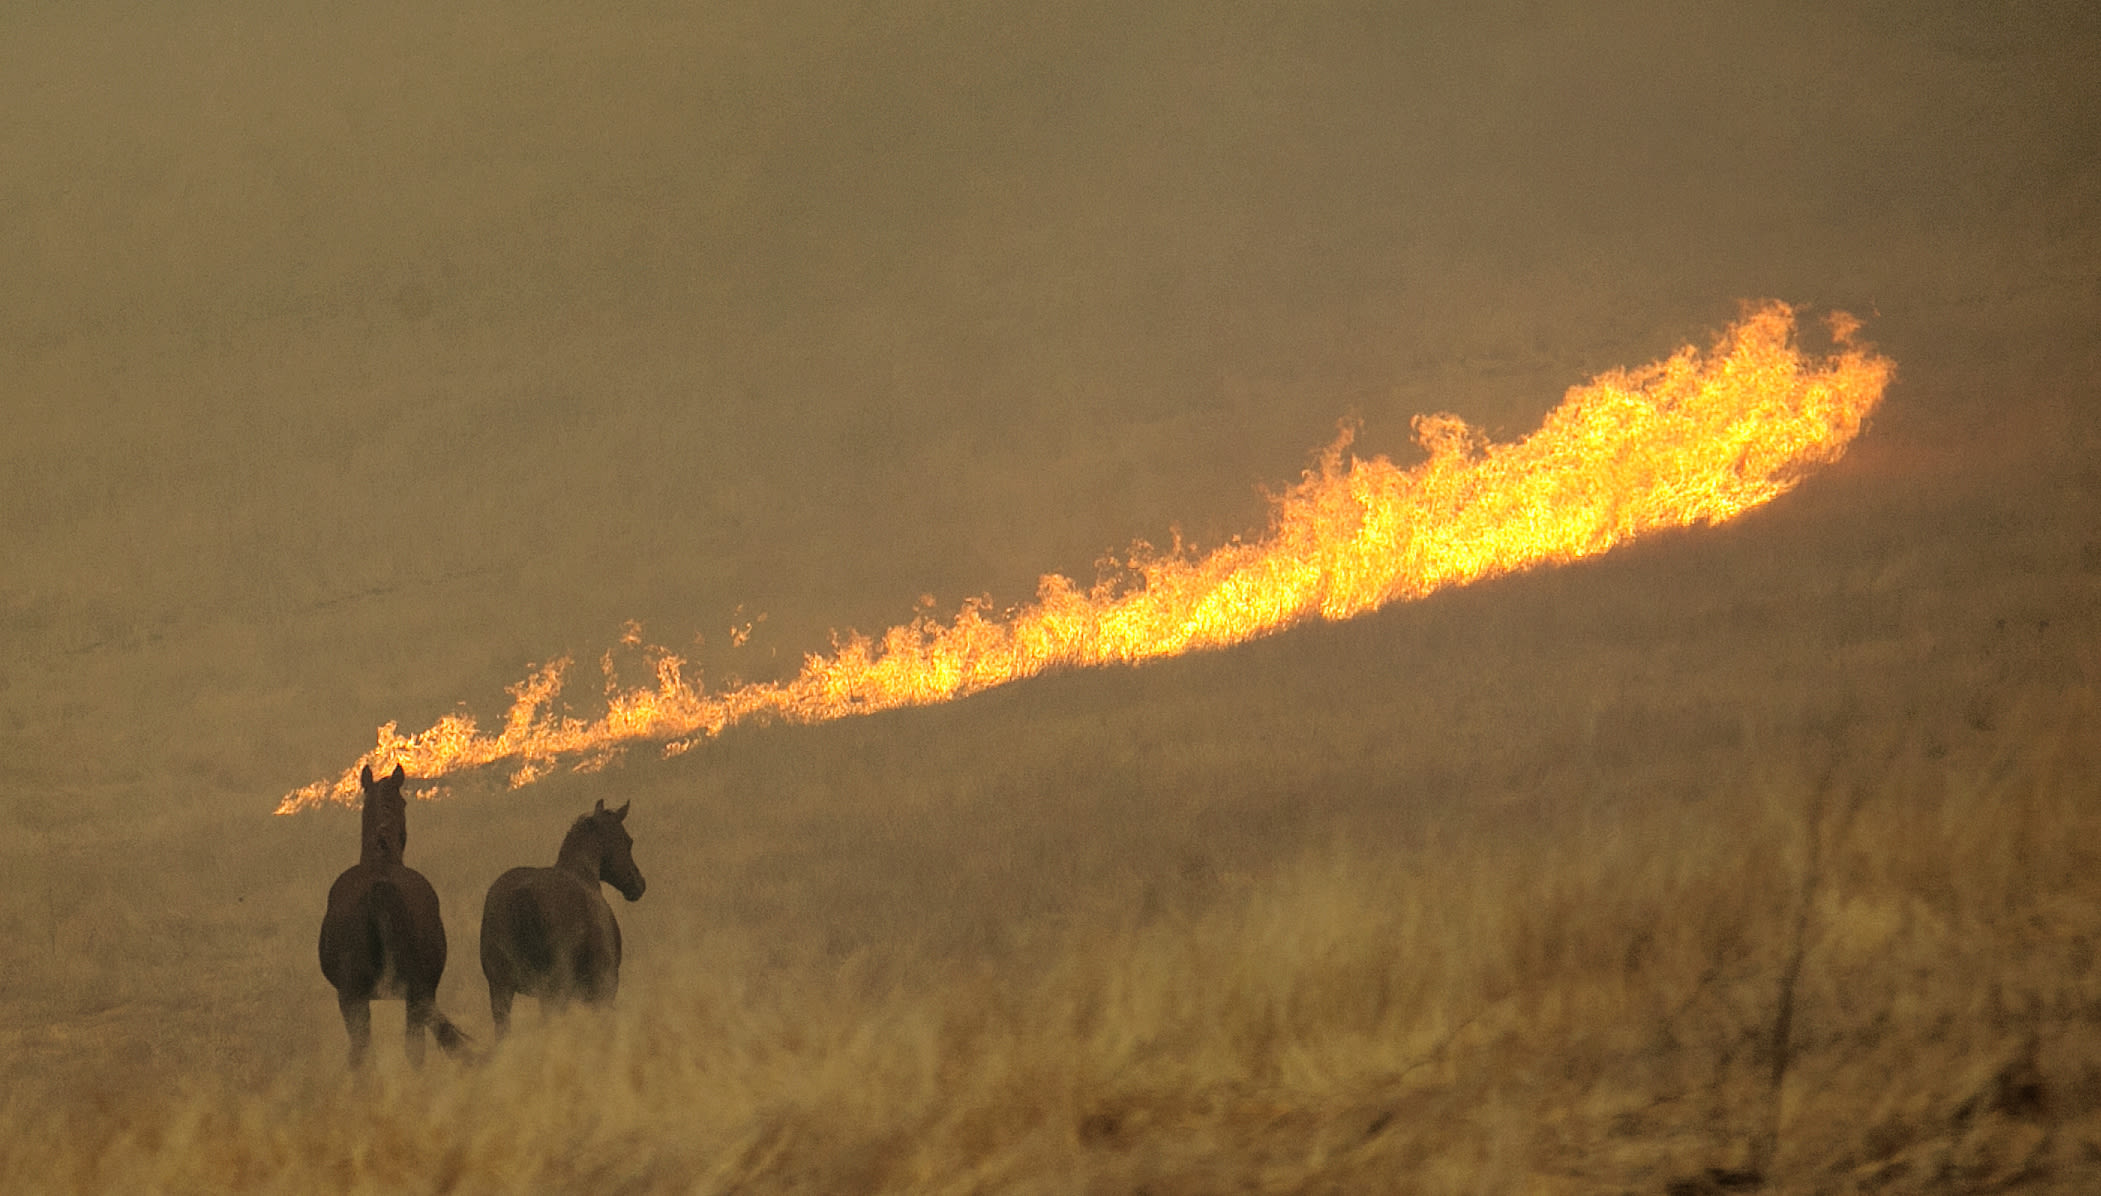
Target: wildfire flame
[[1691, 439]]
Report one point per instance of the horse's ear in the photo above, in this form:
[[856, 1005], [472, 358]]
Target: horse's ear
[[620, 815], [400, 774], [364, 776], [600, 809]]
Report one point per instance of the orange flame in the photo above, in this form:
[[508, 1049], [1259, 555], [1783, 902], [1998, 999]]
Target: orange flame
[[1687, 440]]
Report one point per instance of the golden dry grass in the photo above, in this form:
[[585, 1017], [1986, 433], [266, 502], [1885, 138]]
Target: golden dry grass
[[1582, 1008], [356, 358]]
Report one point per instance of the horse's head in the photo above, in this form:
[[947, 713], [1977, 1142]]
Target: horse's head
[[616, 855], [385, 820]]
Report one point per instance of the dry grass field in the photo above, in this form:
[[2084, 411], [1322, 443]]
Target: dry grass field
[[357, 361], [1866, 963], [1592, 1012]]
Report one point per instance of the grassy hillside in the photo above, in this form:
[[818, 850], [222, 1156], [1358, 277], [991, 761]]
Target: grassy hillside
[[1861, 965], [353, 361]]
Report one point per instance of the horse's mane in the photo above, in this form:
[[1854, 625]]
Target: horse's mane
[[577, 830], [385, 828], [600, 829]]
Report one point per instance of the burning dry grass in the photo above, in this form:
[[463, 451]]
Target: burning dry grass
[[1679, 442], [1596, 1006]]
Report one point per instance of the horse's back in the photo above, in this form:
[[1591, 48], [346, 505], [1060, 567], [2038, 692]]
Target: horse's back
[[544, 932], [383, 924], [516, 940]]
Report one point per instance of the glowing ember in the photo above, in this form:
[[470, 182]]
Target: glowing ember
[[1689, 440]]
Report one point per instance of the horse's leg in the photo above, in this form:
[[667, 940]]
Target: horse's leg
[[420, 1009], [500, 995], [357, 1020], [602, 986], [597, 976]]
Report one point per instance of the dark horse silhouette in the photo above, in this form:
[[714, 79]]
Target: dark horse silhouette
[[382, 936], [548, 932]]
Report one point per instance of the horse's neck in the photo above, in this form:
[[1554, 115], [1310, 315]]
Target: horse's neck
[[580, 854], [381, 835]]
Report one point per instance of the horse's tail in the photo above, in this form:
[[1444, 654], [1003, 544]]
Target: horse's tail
[[451, 1039], [531, 937], [394, 934]]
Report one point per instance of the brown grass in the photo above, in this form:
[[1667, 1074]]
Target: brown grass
[[1582, 1008], [354, 359]]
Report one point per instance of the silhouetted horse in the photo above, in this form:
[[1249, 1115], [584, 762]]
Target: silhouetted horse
[[382, 936], [548, 932]]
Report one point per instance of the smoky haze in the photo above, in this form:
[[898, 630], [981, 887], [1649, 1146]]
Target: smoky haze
[[357, 359]]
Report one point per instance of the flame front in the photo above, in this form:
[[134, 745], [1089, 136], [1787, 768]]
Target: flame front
[[1692, 439]]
